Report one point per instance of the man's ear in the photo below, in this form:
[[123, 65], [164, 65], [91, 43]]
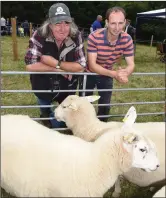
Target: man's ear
[[73, 106], [91, 98]]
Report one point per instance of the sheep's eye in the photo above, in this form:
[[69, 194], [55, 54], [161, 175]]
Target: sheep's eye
[[64, 107], [142, 150]]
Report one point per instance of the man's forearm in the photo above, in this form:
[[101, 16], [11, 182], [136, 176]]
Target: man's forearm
[[130, 69], [102, 71], [40, 67], [71, 66], [66, 66], [130, 65]]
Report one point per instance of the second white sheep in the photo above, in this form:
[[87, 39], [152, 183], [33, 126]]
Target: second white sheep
[[80, 116]]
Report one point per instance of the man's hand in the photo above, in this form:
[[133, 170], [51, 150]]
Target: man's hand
[[123, 72], [122, 75]]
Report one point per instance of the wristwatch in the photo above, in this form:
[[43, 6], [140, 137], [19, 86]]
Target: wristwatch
[[58, 65]]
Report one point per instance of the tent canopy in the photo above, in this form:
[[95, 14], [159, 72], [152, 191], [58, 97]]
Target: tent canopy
[[161, 13]]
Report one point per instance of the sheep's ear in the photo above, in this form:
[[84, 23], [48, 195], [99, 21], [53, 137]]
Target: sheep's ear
[[73, 106], [91, 98], [130, 116], [129, 138]]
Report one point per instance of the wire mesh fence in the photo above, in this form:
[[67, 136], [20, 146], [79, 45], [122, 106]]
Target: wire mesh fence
[[15, 91]]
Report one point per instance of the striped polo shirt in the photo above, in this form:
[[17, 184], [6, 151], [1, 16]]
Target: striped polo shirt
[[108, 54]]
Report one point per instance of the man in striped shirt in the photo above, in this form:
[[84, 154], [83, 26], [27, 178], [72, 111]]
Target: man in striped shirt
[[105, 47]]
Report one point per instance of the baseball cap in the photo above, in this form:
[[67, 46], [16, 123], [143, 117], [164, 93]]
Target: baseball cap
[[59, 12]]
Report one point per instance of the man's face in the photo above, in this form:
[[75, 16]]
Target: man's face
[[60, 30], [116, 23]]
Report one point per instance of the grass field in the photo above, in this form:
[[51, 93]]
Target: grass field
[[145, 60]]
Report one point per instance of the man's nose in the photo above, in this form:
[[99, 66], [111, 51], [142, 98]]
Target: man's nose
[[117, 26], [62, 27]]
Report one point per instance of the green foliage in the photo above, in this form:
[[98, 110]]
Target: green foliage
[[147, 27], [84, 12]]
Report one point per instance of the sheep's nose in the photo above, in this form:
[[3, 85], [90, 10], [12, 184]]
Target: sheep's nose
[[157, 166]]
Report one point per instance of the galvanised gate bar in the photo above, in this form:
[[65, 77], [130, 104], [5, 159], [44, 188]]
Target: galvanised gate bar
[[84, 74]]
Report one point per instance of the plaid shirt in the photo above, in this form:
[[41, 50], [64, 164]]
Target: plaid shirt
[[34, 51]]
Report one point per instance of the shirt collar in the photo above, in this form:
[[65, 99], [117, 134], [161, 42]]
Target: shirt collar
[[106, 40]]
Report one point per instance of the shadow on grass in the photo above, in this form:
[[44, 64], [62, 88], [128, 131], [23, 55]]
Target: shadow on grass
[[4, 194], [130, 190]]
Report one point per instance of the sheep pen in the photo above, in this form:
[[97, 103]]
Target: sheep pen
[[145, 61]]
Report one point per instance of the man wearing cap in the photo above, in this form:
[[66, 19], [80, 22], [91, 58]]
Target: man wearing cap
[[56, 46]]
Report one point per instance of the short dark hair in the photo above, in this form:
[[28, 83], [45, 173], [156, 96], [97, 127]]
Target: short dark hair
[[115, 9]]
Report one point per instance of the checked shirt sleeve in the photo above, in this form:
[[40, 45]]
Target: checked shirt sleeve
[[80, 51], [34, 51]]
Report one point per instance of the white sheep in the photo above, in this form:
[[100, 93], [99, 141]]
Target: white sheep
[[38, 162], [156, 133], [160, 193], [80, 116]]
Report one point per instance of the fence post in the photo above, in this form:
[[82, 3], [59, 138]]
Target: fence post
[[151, 42], [14, 39], [84, 84], [30, 30]]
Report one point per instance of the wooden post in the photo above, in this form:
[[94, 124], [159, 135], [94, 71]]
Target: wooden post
[[151, 42], [30, 30], [14, 39]]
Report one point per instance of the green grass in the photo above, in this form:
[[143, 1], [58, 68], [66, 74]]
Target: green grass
[[145, 60]]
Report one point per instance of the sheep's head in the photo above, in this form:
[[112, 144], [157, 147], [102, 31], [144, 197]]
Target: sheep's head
[[75, 105], [143, 149], [144, 153]]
